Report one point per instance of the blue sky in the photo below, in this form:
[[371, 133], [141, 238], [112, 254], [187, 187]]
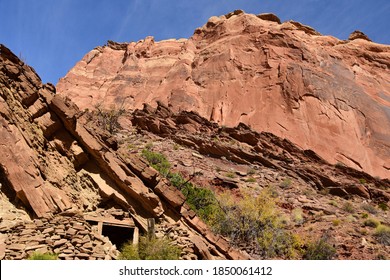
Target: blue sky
[[52, 35]]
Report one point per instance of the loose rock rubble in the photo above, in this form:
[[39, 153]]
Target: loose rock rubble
[[71, 238]]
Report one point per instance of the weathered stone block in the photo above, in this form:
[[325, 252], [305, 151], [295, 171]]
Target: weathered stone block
[[49, 123], [172, 195], [60, 242]]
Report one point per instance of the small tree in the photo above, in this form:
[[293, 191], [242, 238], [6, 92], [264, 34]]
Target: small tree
[[108, 119]]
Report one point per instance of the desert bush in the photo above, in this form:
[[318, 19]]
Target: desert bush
[[382, 234], [108, 119], [251, 180], [336, 222], [44, 256], [157, 161], [250, 218], [319, 250], [297, 215], [348, 207], [362, 181], [230, 175], [383, 206], [371, 223], [150, 249], [202, 200], [333, 203], [256, 218]]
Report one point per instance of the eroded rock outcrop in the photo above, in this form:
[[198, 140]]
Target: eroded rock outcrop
[[242, 145], [321, 93], [51, 162]]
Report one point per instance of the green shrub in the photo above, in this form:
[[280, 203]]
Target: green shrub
[[203, 201], [319, 250], [153, 249], [157, 161], [200, 200], [383, 206], [382, 234], [129, 251], [371, 223], [40, 256], [362, 181]]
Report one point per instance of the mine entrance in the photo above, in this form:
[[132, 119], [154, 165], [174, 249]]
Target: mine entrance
[[118, 231], [118, 234]]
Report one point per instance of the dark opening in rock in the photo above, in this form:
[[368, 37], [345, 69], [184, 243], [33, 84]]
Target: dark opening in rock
[[118, 235]]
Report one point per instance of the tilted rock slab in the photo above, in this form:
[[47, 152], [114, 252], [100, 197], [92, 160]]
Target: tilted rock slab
[[322, 93]]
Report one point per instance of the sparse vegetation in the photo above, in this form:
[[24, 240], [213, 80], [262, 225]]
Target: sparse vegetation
[[383, 206], [230, 175], [201, 200], [150, 249], [176, 146], [43, 256], [149, 146], [369, 208], [333, 203], [348, 207], [371, 223], [362, 181], [255, 217], [286, 183], [297, 215], [131, 146], [251, 180], [108, 119], [320, 250], [157, 161], [382, 234], [336, 222]]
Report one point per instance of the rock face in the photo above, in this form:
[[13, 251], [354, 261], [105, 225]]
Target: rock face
[[323, 94], [50, 162]]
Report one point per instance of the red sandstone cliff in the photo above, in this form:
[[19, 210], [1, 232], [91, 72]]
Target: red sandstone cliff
[[322, 93]]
